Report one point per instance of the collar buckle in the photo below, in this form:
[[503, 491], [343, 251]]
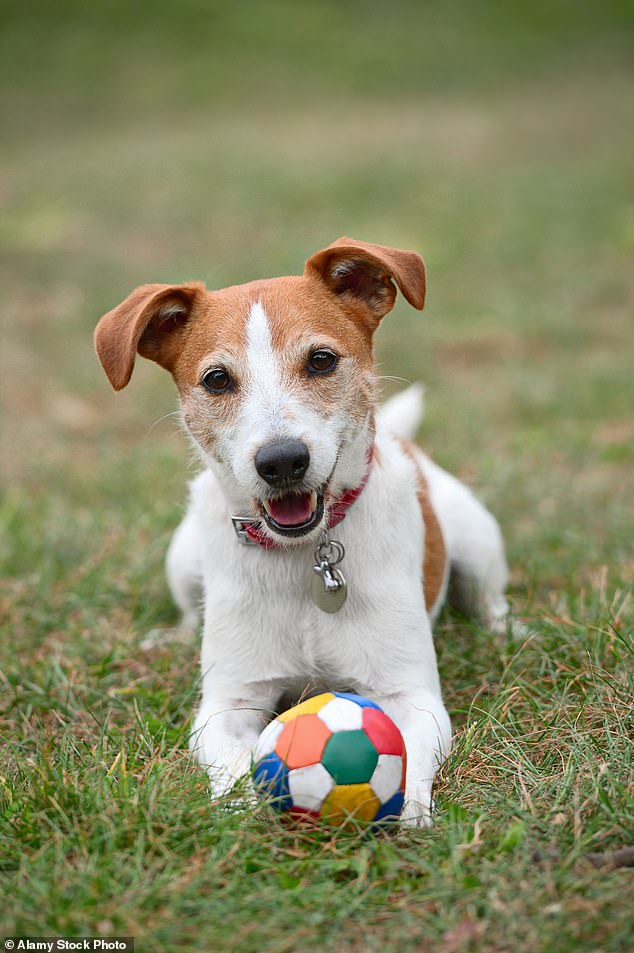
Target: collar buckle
[[240, 524]]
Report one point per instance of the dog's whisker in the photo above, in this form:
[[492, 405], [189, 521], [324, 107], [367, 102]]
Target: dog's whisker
[[391, 377], [211, 272], [174, 413]]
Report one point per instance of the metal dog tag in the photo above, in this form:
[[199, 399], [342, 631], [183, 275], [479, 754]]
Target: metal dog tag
[[329, 588]]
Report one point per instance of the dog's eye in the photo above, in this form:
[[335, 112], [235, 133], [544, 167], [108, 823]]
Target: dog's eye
[[322, 362], [216, 380]]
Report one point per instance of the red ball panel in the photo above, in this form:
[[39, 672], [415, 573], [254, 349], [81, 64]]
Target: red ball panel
[[382, 732], [302, 815]]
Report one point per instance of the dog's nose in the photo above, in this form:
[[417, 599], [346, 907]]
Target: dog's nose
[[282, 461]]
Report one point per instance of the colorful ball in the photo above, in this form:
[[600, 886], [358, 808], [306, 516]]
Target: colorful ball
[[336, 757]]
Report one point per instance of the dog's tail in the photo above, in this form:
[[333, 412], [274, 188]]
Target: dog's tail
[[403, 413]]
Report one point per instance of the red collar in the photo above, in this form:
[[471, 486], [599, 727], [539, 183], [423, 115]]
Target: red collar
[[248, 531]]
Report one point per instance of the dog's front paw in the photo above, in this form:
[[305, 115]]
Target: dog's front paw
[[230, 770], [235, 791], [417, 813]]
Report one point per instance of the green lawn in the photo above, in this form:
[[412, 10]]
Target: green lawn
[[229, 141]]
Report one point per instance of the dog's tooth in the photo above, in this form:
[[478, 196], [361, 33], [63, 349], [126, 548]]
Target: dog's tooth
[[267, 506], [313, 501]]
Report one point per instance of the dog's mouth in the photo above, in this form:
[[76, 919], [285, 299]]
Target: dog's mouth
[[294, 514]]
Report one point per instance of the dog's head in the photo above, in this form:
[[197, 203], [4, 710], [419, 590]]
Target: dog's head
[[275, 377]]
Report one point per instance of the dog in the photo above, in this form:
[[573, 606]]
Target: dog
[[319, 541]]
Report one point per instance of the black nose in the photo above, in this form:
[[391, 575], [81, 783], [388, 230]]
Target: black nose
[[282, 461]]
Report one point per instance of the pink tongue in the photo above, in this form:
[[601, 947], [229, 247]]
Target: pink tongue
[[291, 510]]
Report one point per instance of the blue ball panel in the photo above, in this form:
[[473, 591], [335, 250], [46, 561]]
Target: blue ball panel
[[358, 700], [271, 777], [392, 808]]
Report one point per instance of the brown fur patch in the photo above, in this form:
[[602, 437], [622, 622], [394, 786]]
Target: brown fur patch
[[435, 557], [302, 317], [362, 275]]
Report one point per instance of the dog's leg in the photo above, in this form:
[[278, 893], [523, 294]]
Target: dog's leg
[[184, 576], [479, 573], [426, 729], [225, 731]]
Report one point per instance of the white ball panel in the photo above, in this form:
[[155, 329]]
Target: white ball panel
[[310, 786], [341, 714], [386, 779], [268, 739]]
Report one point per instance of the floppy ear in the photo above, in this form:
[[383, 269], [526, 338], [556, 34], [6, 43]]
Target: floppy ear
[[151, 321], [364, 274]]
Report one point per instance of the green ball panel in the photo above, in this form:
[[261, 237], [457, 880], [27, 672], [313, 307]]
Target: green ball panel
[[350, 757]]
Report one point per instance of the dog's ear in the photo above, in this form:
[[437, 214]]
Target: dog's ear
[[150, 321], [363, 275]]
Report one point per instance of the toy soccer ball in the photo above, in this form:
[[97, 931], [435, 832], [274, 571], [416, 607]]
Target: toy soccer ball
[[336, 757]]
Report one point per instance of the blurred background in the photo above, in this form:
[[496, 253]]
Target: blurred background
[[228, 141]]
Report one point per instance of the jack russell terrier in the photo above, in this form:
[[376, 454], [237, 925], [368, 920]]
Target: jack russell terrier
[[319, 542]]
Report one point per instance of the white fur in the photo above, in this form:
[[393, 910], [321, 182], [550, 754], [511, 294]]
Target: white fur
[[403, 413]]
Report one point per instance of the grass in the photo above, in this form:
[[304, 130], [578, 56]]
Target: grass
[[229, 142]]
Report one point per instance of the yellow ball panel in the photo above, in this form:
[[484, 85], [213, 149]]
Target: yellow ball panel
[[310, 707], [350, 802]]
